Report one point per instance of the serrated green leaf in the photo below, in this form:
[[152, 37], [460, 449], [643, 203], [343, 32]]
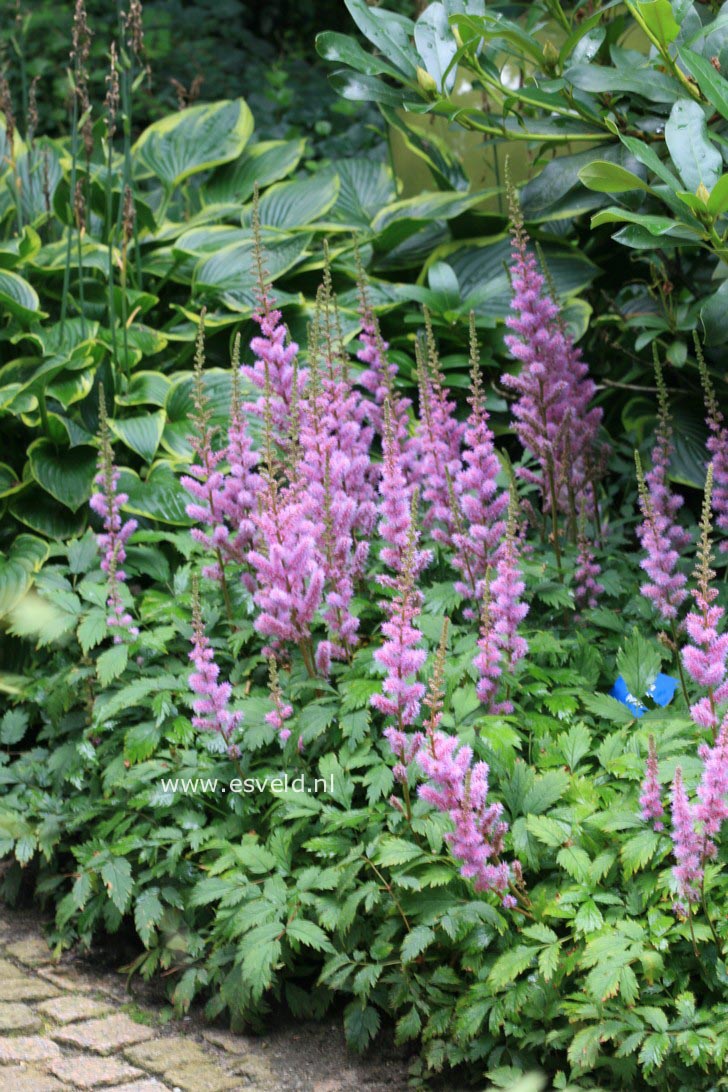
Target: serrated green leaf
[[116, 874]]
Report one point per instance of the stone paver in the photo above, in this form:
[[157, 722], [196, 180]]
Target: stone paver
[[26, 988], [202, 1078], [150, 1084], [33, 951], [15, 1016], [104, 1036], [27, 1048], [85, 1072], [162, 1055], [22, 1079], [66, 1010], [67, 1026]]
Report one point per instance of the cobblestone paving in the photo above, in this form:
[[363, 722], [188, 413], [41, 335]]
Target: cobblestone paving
[[63, 1026]]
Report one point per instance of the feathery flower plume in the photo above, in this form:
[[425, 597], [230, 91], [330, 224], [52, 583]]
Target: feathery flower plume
[[440, 436], [458, 787], [205, 482], [112, 93], [587, 588], [478, 505], [212, 706], [274, 369], [688, 847], [718, 447], [395, 508], [651, 797], [666, 585], [107, 504], [712, 808], [552, 416], [379, 381], [500, 644], [281, 711], [401, 654], [705, 657]]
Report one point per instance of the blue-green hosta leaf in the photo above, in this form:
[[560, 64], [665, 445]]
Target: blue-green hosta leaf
[[398, 221], [697, 159], [9, 481], [67, 475], [145, 388], [37, 510], [365, 186], [290, 205], [194, 140], [233, 269], [264, 163], [441, 160], [19, 298], [160, 496], [142, 434]]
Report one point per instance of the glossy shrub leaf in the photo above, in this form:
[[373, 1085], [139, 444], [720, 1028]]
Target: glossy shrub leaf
[[342, 49], [66, 474], [436, 45], [651, 85], [658, 18], [697, 159], [194, 140], [610, 178], [388, 32], [713, 85]]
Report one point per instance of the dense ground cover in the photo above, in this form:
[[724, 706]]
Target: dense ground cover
[[265, 516]]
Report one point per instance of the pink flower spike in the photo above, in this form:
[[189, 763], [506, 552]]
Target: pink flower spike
[[651, 797]]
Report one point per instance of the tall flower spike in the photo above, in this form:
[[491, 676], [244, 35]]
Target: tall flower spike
[[459, 787], [553, 389], [395, 502], [440, 435], [651, 806], [504, 614], [705, 657], [688, 846], [281, 711], [718, 447], [478, 504], [212, 705], [587, 588], [205, 482], [665, 587], [107, 504], [274, 368], [665, 503]]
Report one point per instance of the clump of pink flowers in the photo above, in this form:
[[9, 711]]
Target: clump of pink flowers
[[705, 656], [651, 797], [212, 705], [107, 503]]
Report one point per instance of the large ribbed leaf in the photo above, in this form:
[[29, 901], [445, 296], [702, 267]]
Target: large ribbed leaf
[[142, 434], [26, 557], [264, 163], [67, 474], [18, 297], [234, 267], [36, 509], [160, 496], [180, 407], [365, 186], [291, 205], [194, 140]]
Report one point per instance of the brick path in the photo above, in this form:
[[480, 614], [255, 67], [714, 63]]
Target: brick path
[[63, 1026]]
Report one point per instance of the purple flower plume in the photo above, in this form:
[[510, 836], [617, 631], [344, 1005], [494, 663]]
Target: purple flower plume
[[688, 848], [107, 504], [665, 587], [478, 504], [553, 390], [718, 448], [212, 705], [651, 797], [705, 656]]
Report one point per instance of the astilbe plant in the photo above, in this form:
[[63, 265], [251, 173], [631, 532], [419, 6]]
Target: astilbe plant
[[458, 786], [107, 503], [478, 504], [704, 657], [717, 445], [212, 704], [500, 645], [553, 416], [440, 435]]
